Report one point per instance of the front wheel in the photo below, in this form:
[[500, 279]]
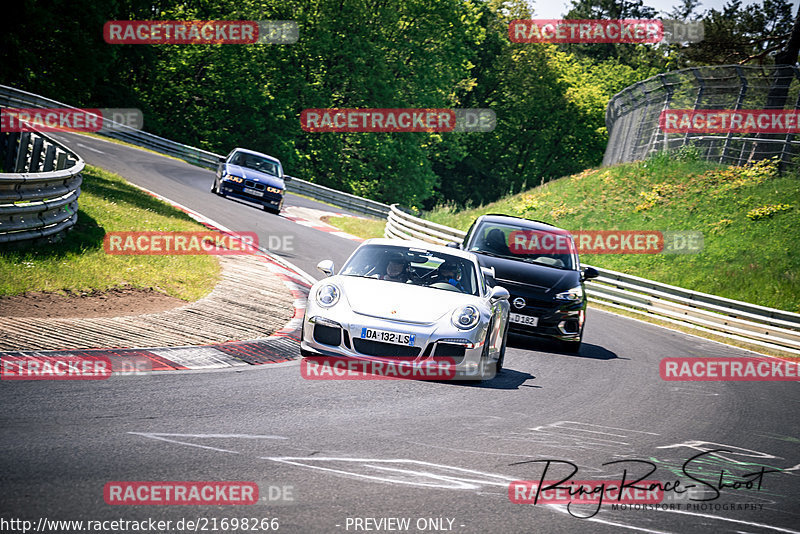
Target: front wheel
[[485, 369], [502, 358], [304, 353], [571, 347]]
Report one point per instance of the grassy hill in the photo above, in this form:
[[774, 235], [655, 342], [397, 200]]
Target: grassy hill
[[749, 217]]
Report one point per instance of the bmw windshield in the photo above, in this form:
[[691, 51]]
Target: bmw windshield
[[257, 163]]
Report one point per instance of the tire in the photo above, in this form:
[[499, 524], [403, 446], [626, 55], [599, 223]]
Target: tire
[[304, 353], [483, 365], [571, 347], [271, 210], [502, 358], [216, 190]]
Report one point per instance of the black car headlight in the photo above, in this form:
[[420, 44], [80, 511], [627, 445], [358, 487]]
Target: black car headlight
[[328, 295], [573, 295], [466, 317]]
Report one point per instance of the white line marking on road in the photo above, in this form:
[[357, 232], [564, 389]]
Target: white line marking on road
[[563, 510], [161, 436], [412, 477], [705, 446], [740, 521], [199, 357], [90, 148]]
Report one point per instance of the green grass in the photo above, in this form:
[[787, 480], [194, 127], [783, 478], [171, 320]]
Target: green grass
[[749, 217], [78, 263], [365, 228]]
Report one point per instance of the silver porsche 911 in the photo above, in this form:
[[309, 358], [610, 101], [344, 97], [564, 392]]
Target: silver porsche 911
[[406, 301]]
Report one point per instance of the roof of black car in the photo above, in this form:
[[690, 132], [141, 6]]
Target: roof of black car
[[518, 221]]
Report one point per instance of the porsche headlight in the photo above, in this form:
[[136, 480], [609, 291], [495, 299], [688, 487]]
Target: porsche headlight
[[466, 317], [328, 295], [573, 295]]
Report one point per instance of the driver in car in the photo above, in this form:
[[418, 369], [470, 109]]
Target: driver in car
[[396, 269]]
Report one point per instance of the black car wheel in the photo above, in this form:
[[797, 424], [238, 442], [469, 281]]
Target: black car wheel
[[571, 347], [215, 188], [304, 353], [502, 358], [484, 367]]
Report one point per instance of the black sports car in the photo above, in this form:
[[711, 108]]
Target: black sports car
[[538, 264]]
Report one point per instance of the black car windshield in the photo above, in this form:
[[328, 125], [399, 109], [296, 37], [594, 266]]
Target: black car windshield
[[551, 248], [417, 266], [257, 163]]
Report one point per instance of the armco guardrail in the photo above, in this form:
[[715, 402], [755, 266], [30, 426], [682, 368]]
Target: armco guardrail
[[732, 319], [16, 98], [338, 198], [40, 182], [401, 225]]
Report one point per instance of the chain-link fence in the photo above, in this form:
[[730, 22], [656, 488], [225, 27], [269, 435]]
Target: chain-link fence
[[717, 109]]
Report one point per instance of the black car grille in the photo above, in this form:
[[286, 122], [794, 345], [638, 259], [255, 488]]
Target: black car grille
[[537, 302], [377, 348], [254, 185], [449, 350], [327, 335]]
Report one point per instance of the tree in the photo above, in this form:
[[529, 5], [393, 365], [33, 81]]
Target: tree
[[738, 34]]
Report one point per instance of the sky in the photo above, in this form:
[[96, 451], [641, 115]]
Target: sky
[[553, 9]]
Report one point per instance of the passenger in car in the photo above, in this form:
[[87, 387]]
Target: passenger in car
[[450, 273]]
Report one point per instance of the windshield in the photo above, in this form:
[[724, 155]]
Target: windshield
[[543, 247], [257, 163], [416, 266]]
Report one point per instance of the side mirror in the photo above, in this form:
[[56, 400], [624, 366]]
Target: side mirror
[[453, 244], [499, 293], [326, 266], [589, 272], [287, 178]]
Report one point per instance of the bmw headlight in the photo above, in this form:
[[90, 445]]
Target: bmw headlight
[[573, 295], [466, 317], [328, 295]]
